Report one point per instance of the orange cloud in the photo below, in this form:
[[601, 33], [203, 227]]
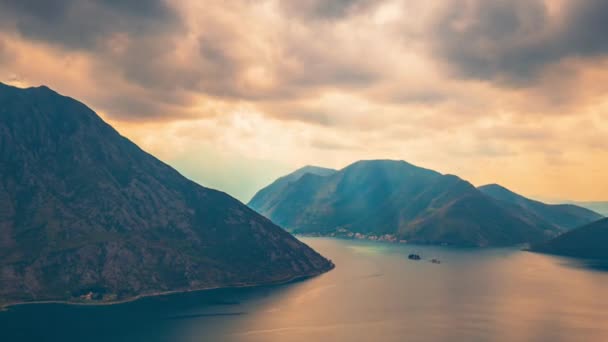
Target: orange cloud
[[495, 91]]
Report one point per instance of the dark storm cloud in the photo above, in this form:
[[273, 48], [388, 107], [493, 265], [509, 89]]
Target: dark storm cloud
[[131, 39], [585, 29], [146, 59], [84, 23], [152, 60], [513, 41]]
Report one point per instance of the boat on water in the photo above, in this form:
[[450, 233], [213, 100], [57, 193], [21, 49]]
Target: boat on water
[[414, 257]]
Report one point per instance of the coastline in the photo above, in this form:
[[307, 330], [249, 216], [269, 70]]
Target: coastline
[[381, 239], [5, 307]]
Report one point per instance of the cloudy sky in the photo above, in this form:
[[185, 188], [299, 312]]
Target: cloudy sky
[[235, 93]]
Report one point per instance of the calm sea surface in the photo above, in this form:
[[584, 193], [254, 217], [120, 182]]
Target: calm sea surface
[[374, 294]]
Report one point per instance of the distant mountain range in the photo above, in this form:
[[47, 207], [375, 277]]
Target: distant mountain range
[[589, 241], [87, 216], [266, 197], [566, 216], [598, 207], [397, 201]]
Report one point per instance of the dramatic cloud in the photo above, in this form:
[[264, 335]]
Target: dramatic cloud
[[86, 24], [493, 90], [515, 41]]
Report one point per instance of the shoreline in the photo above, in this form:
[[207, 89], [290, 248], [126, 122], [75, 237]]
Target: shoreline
[[7, 306], [410, 243]]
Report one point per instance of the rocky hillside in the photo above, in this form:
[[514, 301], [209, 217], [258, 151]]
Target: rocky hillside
[[86, 215]]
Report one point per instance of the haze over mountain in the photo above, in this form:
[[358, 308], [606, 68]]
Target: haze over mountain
[[87, 215], [598, 207], [567, 216], [265, 198], [394, 200], [589, 241]]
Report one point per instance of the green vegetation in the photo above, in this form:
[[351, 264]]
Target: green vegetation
[[396, 201]]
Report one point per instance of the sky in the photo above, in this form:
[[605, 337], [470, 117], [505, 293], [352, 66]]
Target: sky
[[235, 93]]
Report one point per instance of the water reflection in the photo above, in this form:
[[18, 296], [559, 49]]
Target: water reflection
[[374, 294]]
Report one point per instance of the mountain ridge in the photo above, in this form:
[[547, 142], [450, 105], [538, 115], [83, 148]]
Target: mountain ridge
[[91, 217], [566, 216], [600, 207], [589, 242], [399, 201], [262, 195]]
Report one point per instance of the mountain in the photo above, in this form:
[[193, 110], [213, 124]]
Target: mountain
[[598, 207], [395, 200], [86, 215], [566, 216], [589, 242], [265, 197]]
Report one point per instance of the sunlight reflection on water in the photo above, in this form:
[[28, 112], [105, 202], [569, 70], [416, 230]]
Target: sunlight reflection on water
[[374, 294]]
